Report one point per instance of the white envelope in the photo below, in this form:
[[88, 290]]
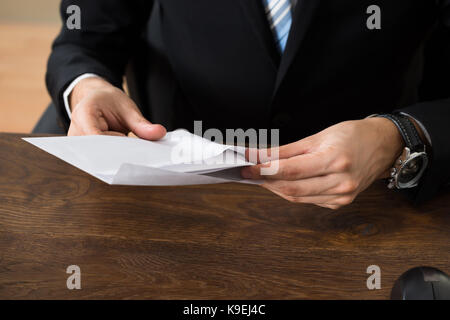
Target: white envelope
[[180, 158]]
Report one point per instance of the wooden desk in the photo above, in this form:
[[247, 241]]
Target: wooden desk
[[202, 242]]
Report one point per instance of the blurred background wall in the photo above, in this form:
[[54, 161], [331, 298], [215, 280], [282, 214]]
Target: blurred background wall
[[27, 29]]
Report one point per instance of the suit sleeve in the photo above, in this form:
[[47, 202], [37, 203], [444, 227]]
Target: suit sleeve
[[110, 29], [434, 109]]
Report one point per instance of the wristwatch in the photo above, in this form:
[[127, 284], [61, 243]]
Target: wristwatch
[[410, 166]]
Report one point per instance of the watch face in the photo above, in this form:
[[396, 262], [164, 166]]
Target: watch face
[[412, 170]]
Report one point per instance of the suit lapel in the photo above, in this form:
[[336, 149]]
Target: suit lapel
[[256, 16], [302, 17]]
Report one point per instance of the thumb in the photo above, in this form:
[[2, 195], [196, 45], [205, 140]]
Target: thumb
[[141, 127]]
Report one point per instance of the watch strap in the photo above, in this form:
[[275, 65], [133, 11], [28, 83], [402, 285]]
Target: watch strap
[[407, 130]]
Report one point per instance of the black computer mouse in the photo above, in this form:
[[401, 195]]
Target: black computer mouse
[[422, 283]]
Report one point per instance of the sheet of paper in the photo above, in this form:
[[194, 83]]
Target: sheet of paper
[[180, 158]]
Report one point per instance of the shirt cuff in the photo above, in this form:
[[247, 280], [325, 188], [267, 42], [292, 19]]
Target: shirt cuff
[[70, 88]]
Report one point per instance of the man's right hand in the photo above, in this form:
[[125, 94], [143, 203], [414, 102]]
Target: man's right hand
[[99, 108]]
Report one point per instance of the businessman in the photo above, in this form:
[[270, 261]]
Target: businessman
[[315, 69]]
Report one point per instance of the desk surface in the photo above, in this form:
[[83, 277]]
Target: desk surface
[[202, 242]]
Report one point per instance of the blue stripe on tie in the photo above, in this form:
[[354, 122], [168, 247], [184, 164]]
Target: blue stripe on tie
[[280, 10], [268, 2], [280, 19], [282, 43], [283, 26], [282, 31]]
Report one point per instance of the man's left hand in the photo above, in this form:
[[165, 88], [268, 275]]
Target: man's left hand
[[332, 167]]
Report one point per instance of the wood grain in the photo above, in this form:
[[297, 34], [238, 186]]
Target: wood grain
[[226, 241]]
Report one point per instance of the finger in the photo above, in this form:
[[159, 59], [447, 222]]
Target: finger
[[92, 128], [317, 200], [296, 148], [73, 130], [329, 206], [295, 168], [283, 152], [141, 127], [332, 201], [113, 133], [324, 185], [87, 123]]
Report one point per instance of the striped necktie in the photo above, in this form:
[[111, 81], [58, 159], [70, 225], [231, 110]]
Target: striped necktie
[[280, 19]]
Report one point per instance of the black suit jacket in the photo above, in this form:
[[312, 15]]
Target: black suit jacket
[[217, 62]]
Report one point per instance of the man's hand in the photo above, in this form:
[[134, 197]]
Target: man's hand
[[100, 108], [332, 167]]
